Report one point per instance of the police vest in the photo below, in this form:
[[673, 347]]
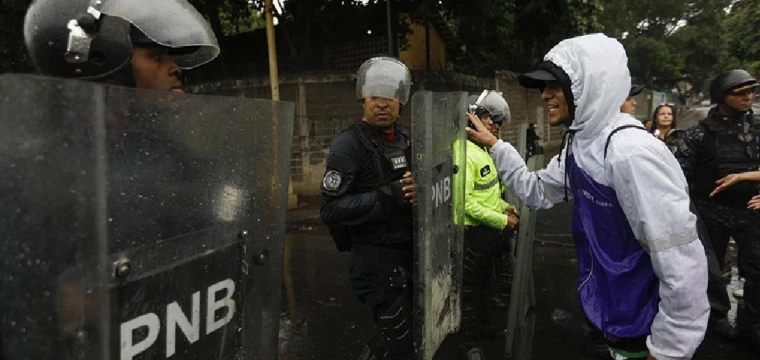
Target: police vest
[[391, 159], [483, 189], [737, 149]]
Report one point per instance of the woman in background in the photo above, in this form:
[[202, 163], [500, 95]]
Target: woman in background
[[664, 125]]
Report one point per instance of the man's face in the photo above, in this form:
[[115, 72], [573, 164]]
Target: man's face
[[154, 70], [554, 98], [487, 122], [495, 129], [629, 106], [740, 101], [380, 112]]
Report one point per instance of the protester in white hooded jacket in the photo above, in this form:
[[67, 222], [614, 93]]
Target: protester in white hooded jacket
[[643, 269]]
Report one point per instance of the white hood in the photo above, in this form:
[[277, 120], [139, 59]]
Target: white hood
[[600, 81]]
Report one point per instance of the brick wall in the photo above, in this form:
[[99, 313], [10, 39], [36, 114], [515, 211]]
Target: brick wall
[[326, 104]]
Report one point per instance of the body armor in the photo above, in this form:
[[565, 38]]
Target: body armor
[[737, 150], [391, 159]]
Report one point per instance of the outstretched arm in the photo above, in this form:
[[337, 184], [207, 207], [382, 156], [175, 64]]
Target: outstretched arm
[[540, 189]]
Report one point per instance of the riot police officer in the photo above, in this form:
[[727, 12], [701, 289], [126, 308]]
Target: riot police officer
[[487, 216], [367, 198], [131, 43], [142, 44], [727, 142]]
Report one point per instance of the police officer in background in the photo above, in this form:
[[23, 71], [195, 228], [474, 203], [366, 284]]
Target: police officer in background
[[727, 142], [487, 216], [367, 197]]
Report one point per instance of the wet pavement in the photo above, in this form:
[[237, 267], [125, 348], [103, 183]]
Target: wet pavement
[[321, 318]]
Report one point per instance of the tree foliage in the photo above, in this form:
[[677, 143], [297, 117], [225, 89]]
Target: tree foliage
[[742, 35], [669, 42], [672, 42]]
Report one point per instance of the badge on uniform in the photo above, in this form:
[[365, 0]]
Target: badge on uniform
[[331, 181], [399, 162], [485, 170]]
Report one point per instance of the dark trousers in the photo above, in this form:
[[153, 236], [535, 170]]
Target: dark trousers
[[381, 277], [481, 246], [716, 286], [502, 265], [743, 225]]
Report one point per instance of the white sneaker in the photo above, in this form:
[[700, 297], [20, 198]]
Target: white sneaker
[[738, 293], [739, 288]]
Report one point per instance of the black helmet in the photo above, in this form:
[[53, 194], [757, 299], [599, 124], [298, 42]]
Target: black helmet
[[727, 81], [91, 38]]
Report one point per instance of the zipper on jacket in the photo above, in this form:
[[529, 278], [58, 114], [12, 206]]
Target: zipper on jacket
[[591, 272]]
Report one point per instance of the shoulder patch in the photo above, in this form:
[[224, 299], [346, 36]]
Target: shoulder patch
[[331, 180], [485, 170]]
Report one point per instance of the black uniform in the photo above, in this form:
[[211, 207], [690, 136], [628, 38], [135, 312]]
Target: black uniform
[[362, 199], [716, 147]]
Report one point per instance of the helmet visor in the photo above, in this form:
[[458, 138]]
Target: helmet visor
[[172, 23], [385, 78]]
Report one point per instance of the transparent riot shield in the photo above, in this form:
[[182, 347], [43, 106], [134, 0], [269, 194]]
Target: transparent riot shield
[[438, 121], [139, 225], [521, 317]]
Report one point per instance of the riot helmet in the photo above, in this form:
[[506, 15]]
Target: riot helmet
[[93, 38], [730, 81], [491, 102], [384, 77]]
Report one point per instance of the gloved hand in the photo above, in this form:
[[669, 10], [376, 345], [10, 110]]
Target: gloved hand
[[400, 193]]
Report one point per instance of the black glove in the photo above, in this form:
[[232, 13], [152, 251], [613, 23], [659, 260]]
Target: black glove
[[394, 196]]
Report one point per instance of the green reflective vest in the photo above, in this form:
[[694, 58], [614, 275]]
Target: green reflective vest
[[483, 204]]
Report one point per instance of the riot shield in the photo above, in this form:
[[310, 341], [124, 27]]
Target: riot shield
[[438, 121], [138, 224], [521, 317]]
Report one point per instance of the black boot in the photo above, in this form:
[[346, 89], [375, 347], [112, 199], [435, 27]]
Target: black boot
[[471, 351], [748, 317], [596, 347], [723, 328], [498, 303], [373, 351], [749, 336]]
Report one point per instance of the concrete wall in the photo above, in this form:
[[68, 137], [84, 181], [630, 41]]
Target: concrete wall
[[326, 104]]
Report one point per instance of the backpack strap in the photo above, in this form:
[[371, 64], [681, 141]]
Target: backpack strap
[[609, 137]]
